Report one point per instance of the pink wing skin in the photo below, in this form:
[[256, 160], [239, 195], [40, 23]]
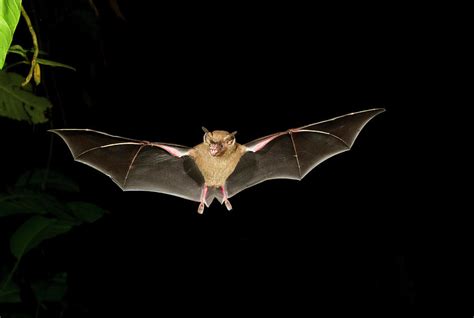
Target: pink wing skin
[[258, 144], [136, 165], [172, 150], [292, 154]]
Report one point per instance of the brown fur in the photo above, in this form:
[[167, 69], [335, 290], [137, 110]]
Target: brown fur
[[216, 169]]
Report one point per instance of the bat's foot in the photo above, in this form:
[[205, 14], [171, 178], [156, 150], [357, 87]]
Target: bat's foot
[[225, 200], [203, 199], [228, 205], [201, 208]]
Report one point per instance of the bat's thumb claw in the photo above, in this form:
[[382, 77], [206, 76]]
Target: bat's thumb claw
[[228, 205], [201, 208]]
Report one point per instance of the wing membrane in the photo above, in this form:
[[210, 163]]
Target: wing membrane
[[294, 153], [137, 165]]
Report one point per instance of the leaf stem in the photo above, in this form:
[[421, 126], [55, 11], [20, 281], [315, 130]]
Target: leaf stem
[[15, 64], [37, 309], [35, 46], [10, 275]]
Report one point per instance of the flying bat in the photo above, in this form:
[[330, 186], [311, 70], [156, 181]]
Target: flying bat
[[219, 167]]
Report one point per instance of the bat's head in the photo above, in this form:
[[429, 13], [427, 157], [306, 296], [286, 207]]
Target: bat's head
[[219, 142]]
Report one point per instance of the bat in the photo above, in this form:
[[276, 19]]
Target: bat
[[219, 167]]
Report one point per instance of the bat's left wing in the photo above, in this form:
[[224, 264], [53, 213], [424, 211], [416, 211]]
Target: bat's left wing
[[136, 165], [293, 153]]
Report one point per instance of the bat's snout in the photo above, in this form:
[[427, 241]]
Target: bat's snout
[[215, 149]]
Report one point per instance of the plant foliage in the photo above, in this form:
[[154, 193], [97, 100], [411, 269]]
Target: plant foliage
[[10, 11]]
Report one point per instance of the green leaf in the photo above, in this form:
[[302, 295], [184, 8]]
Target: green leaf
[[24, 203], [20, 104], [86, 212], [35, 179], [31, 202], [9, 15], [54, 64], [34, 231], [52, 290], [10, 294], [22, 52], [18, 49]]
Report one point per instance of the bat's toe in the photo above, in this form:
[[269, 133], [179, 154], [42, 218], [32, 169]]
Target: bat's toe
[[228, 205], [200, 209]]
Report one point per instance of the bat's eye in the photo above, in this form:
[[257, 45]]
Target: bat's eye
[[208, 140]]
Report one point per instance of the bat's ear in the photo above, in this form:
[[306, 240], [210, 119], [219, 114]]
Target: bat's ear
[[230, 138], [206, 132]]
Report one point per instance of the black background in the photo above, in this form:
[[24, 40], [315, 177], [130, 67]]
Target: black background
[[357, 236]]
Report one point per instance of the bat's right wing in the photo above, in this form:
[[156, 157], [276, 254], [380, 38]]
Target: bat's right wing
[[137, 165], [294, 153]]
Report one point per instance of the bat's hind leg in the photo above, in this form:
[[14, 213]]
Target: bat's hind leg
[[225, 199], [203, 200]]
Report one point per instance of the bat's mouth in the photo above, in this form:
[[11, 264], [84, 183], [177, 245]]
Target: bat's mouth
[[215, 149]]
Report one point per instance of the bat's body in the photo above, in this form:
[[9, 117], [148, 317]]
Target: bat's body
[[216, 170], [219, 167]]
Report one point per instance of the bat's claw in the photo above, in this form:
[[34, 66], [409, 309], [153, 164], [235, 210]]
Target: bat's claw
[[228, 205], [201, 208]]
